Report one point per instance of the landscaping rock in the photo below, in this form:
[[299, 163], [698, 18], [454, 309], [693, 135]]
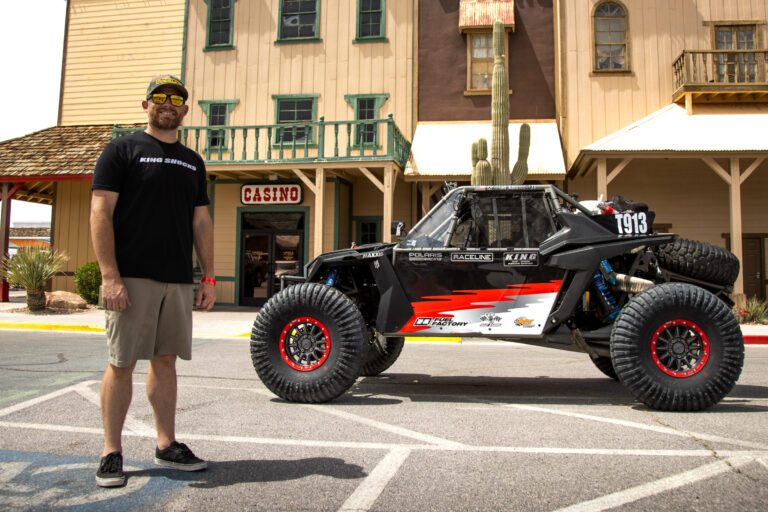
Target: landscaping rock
[[65, 300]]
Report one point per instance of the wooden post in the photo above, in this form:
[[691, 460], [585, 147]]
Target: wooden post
[[736, 231], [5, 223], [319, 210], [424, 186], [389, 175], [602, 179]]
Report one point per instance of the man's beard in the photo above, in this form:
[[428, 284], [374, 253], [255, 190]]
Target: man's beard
[[164, 122]]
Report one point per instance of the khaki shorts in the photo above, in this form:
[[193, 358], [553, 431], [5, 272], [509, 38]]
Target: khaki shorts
[[158, 322]]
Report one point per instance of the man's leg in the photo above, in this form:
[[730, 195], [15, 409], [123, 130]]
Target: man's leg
[[116, 392], [161, 391]]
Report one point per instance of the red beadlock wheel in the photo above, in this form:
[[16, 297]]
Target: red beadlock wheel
[[305, 344], [680, 348]]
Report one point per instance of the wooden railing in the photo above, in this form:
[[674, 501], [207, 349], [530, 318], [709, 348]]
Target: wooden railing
[[321, 141], [719, 69]]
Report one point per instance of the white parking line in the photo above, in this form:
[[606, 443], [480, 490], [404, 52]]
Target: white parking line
[[371, 488], [629, 424], [131, 423], [38, 400], [327, 409], [620, 498], [535, 450]]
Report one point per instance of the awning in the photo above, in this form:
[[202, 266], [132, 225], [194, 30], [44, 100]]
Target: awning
[[483, 13], [443, 150], [670, 131]]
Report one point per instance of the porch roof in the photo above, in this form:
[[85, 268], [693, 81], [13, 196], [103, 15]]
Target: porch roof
[[713, 130], [55, 151], [443, 150]]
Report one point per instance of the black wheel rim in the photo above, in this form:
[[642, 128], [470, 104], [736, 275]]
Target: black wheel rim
[[680, 348], [305, 344]]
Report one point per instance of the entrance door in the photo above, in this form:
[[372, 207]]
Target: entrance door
[[271, 246]]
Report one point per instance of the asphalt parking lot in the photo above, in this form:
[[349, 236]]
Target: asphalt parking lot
[[472, 426]]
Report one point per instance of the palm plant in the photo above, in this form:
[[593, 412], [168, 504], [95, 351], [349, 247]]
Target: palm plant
[[30, 269]]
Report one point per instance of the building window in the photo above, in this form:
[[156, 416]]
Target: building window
[[368, 230], [299, 20], [217, 113], [736, 67], [297, 113], [366, 108], [370, 21], [610, 24], [480, 60], [220, 20]]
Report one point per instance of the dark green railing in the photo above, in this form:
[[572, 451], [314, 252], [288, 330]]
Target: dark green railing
[[321, 141]]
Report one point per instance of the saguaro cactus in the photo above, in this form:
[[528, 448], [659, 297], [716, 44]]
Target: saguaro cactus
[[520, 171], [482, 174], [500, 109]]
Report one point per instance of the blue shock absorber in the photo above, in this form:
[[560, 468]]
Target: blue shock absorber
[[330, 279], [604, 293]]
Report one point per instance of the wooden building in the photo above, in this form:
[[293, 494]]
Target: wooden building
[[455, 61], [667, 103]]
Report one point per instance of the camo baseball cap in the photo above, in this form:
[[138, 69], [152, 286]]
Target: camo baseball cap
[[167, 80]]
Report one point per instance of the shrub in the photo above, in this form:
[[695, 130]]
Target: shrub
[[88, 281], [30, 269], [754, 312]]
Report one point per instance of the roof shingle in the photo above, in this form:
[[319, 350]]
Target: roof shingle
[[60, 150]]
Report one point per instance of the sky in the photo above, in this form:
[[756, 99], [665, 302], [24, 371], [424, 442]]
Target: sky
[[31, 38]]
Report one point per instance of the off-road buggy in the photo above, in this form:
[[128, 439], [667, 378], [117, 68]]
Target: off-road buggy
[[521, 263]]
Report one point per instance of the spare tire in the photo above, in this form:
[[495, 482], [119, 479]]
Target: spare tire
[[699, 260]]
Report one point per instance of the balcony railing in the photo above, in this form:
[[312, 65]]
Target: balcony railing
[[721, 71], [321, 141]]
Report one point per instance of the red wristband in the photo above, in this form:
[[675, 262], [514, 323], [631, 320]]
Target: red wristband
[[208, 280]]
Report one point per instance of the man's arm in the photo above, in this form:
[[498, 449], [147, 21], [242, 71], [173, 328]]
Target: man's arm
[[114, 293], [202, 230]]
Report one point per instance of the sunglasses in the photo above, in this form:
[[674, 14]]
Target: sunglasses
[[160, 98]]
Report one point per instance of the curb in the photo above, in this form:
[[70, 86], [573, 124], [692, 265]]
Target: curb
[[749, 339]]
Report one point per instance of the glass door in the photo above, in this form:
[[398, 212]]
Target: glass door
[[256, 275]]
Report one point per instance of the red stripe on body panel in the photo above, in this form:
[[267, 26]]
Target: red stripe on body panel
[[473, 299]]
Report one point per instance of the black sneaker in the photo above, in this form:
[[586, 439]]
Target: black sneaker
[[179, 456], [110, 473]]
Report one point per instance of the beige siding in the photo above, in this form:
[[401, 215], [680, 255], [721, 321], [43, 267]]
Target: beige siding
[[114, 47], [703, 215], [659, 30], [71, 228], [257, 68]]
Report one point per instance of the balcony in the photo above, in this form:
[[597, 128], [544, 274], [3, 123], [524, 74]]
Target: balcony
[[721, 76], [316, 142]]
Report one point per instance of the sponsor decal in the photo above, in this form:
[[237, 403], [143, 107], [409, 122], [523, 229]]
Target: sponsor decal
[[490, 320], [524, 322], [427, 321], [472, 257], [271, 194], [521, 259], [170, 161], [374, 254], [425, 256]]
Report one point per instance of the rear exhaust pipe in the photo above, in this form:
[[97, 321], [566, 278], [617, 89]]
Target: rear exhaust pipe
[[630, 284]]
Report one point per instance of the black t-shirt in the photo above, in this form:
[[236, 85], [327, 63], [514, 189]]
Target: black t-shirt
[[160, 185]]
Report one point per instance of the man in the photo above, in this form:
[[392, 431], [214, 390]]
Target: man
[[148, 209]]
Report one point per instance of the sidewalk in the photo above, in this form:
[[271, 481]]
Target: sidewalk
[[222, 322]]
